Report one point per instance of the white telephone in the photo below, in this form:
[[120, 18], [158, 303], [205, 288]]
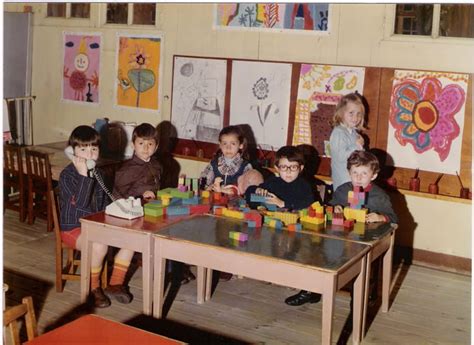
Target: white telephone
[[123, 208]]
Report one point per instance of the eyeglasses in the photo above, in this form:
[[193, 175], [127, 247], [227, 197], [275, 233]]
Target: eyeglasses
[[289, 167]]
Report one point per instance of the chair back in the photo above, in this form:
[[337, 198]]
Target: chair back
[[12, 165], [54, 193], [13, 314], [38, 168]]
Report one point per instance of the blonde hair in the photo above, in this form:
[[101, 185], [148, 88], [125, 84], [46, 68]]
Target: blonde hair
[[341, 107]]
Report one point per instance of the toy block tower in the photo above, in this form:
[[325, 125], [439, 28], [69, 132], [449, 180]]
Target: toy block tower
[[356, 198]]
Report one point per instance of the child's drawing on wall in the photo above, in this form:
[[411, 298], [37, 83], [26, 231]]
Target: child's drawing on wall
[[81, 67], [198, 98]]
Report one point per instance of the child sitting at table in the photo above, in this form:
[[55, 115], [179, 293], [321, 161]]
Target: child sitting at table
[[229, 162], [288, 190], [81, 195], [363, 168], [140, 175]]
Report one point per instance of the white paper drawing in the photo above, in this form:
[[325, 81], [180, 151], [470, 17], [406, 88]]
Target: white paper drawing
[[260, 97], [198, 98]]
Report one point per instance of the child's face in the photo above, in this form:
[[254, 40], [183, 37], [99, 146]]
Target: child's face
[[87, 152], [144, 148], [230, 145], [287, 170], [361, 175], [352, 115]]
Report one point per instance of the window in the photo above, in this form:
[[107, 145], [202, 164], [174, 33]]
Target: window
[[69, 10], [437, 20], [131, 13]]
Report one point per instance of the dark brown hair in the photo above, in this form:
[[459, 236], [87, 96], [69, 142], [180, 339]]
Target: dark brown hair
[[145, 131], [235, 130], [364, 158], [292, 153], [84, 136]]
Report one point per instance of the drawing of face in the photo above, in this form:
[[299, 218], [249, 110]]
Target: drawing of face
[[81, 62], [230, 145], [361, 175], [144, 148], [287, 170], [352, 115]]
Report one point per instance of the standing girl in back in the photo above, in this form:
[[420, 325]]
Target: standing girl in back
[[229, 162], [345, 137]]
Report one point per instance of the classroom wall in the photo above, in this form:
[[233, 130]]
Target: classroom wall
[[358, 36]]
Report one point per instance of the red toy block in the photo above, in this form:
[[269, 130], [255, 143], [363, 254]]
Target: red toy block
[[200, 209], [348, 223], [311, 212], [254, 216]]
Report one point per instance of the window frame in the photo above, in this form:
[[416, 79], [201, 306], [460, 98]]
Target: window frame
[[390, 35], [67, 20], [129, 24]]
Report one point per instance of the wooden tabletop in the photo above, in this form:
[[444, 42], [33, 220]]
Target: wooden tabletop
[[93, 329]]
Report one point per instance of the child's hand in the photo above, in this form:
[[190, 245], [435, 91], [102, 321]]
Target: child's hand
[[374, 218], [148, 195], [274, 200], [216, 186], [338, 209], [360, 140], [261, 191], [80, 164], [229, 190]]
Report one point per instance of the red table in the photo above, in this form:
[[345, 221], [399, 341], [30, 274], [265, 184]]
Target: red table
[[93, 329]]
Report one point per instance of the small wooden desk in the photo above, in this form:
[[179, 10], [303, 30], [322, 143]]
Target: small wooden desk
[[93, 329], [295, 259], [381, 238], [132, 234]]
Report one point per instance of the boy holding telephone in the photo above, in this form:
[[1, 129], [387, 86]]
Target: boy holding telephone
[[81, 195]]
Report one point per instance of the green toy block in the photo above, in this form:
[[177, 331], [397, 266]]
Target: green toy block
[[164, 191]]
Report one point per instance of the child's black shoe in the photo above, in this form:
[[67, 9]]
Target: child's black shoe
[[120, 293], [303, 297]]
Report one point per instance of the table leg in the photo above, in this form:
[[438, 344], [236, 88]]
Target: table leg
[[159, 283], [201, 284], [387, 274], [209, 274], [329, 294], [86, 256], [365, 305], [358, 302], [147, 263]]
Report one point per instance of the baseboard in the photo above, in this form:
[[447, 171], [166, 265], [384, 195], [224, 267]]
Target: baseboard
[[444, 262]]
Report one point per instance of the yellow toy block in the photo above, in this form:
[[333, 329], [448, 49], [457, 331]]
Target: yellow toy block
[[206, 194], [358, 215], [312, 220], [232, 214], [311, 226], [359, 228], [285, 217]]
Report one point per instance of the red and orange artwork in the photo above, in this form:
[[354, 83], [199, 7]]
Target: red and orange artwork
[[427, 112]]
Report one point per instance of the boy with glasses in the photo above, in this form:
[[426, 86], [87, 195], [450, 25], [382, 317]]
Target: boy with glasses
[[288, 190]]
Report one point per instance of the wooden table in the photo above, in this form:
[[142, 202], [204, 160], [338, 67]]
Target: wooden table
[[381, 238], [132, 234], [93, 329], [297, 259]]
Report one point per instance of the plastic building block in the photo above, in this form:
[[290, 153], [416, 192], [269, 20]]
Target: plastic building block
[[312, 220], [183, 195], [183, 188], [348, 223], [217, 210], [285, 217], [232, 214], [254, 216], [177, 210], [295, 227], [199, 209], [154, 210], [271, 207], [240, 236], [191, 201], [206, 194], [257, 198], [164, 191]]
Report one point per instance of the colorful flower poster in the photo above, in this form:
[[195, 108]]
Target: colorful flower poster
[[139, 71], [320, 88], [197, 109], [426, 120], [301, 16], [260, 97], [81, 67]]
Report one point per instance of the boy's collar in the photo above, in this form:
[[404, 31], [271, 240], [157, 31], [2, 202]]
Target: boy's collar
[[141, 160], [366, 189]]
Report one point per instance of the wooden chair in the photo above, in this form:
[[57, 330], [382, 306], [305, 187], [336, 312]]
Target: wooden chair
[[40, 184], [11, 316], [14, 180], [66, 271]]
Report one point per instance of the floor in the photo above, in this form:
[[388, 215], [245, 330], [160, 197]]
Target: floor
[[428, 306]]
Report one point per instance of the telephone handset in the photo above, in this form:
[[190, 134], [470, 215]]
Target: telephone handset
[[123, 208], [90, 163]]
